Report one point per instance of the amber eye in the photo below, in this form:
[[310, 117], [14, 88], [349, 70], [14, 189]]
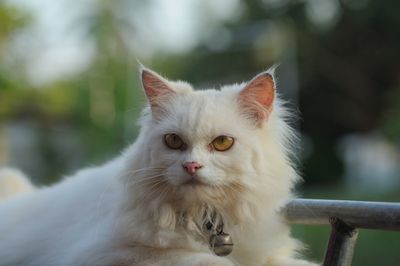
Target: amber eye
[[173, 141], [222, 143]]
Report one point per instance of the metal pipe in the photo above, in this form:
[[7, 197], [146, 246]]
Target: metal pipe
[[357, 214], [341, 244]]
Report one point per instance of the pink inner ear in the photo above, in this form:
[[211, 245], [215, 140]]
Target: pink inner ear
[[157, 92], [154, 86], [258, 97]]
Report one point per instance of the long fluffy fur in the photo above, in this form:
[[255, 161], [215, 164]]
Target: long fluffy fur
[[130, 212]]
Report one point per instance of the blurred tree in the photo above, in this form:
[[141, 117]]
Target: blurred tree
[[12, 19], [95, 104], [11, 77], [106, 87]]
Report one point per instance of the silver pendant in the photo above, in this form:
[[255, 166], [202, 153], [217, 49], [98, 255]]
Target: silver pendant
[[221, 243]]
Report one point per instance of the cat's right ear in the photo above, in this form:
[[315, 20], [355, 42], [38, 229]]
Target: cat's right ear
[[157, 91], [258, 96]]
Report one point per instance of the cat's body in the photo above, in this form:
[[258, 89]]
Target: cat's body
[[199, 155]]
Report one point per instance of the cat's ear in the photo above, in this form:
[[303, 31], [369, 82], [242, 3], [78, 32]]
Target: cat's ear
[[157, 90], [257, 97]]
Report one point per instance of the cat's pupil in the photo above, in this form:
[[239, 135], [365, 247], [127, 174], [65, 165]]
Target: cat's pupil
[[221, 139]]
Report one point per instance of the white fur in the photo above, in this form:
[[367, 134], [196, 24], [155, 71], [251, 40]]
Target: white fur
[[130, 211]]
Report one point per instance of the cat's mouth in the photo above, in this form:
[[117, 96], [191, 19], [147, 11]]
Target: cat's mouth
[[194, 181]]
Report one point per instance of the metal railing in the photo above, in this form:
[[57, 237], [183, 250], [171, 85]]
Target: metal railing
[[344, 217]]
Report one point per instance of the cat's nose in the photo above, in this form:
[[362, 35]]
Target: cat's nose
[[191, 167]]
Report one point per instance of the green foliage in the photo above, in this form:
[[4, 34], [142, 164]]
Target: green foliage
[[12, 19]]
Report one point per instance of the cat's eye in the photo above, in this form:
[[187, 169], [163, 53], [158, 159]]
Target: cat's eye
[[173, 141], [222, 143]]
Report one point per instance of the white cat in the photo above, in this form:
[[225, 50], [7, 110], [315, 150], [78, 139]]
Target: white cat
[[203, 159]]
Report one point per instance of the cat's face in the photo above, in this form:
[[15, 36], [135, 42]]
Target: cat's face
[[207, 141]]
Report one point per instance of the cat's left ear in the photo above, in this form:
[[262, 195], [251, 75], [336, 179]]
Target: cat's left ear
[[258, 96], [157, 90]]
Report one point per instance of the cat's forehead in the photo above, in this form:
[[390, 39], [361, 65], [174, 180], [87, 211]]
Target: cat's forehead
[[204, 113]]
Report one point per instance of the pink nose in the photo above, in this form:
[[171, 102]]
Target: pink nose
[[191, 167]]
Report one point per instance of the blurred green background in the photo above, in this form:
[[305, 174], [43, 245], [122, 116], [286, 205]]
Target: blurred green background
[[70, 95]]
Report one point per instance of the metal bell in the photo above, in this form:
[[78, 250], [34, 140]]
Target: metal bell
[[221, 244]]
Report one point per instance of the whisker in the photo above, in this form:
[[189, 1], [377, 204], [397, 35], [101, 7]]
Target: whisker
[[149, 169], [147, 179], [155, 190], [157, 184], [166, 191]]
